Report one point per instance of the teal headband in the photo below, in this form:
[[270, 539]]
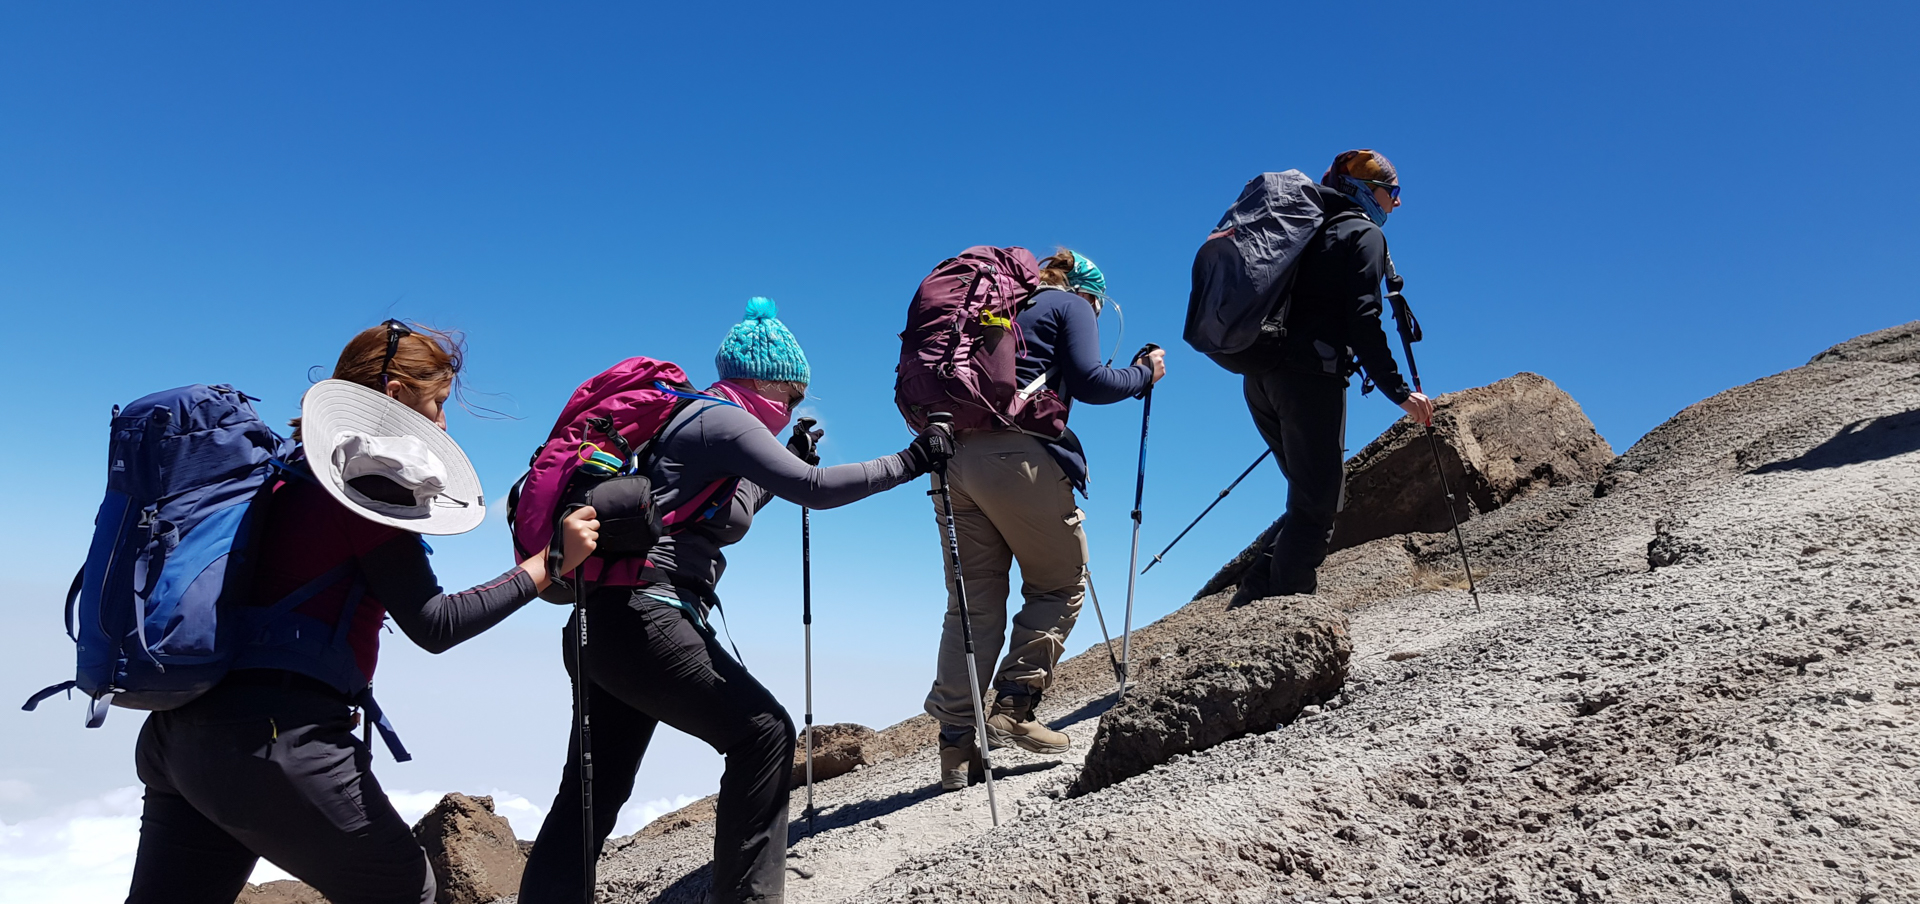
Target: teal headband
[[1085, 277]]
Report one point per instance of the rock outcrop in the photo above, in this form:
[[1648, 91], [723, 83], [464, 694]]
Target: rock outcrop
[[1497, 443], [1251, 681], [1894, 345], [475, 857], [282, 891], [1697, 685], [838, 749]]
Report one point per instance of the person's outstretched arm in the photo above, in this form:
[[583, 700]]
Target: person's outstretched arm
[[400, 577], [736, 443], [1077, 357]]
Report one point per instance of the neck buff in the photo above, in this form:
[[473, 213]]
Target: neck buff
[[1362, 193], [769, 412]]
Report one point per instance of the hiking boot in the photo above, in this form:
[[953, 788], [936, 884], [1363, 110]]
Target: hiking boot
[[1300, 582], [960, 766], [1013, 723], [1248, 591]]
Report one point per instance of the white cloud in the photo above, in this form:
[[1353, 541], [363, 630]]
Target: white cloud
[[81, 853], [84, 852], [635, 816], [13, 790]]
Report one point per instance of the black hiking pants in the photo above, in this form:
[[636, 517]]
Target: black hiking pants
[[1303, 418], [648, 664], [250, 771]]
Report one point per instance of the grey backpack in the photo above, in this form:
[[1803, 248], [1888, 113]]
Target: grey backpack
[[1243, 274]]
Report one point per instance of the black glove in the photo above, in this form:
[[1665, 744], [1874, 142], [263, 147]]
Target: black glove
[[805, 442], [931, 449]]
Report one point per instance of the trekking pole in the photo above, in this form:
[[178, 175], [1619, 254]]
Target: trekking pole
[[1133, 559], [943, 421], [584, 728], [1103, 628], [806, 628], [1209, 508], [1409, 329]]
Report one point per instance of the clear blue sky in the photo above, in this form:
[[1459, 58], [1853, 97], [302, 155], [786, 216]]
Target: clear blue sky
[[1646, 203]]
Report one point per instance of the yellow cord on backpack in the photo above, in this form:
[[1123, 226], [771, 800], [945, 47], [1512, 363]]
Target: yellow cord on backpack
[[987, 318]]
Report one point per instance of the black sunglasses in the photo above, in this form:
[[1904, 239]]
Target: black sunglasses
[[1393, 190], [395, 332]]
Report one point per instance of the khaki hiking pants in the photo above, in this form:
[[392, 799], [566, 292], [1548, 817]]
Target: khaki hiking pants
[[1011, 502]]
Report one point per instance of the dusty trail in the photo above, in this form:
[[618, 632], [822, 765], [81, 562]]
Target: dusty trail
[[1695, 683]]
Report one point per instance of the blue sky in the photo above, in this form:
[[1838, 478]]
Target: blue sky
[[1645, 203]]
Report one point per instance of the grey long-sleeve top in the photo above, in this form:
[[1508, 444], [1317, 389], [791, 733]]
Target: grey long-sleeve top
[[711, 442]]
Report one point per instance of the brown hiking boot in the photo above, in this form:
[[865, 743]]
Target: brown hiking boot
[[1013, 723], [960, 766]]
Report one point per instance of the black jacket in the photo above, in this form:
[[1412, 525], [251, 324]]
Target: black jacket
[[1335, 316]]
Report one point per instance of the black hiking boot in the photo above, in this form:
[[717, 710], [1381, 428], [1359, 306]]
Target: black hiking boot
[[1254, 588]]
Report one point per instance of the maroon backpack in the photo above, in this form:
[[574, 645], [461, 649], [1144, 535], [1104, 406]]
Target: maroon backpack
[[958, 352]]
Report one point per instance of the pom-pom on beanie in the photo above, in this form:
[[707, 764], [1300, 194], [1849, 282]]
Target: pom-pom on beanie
[[760, 347]]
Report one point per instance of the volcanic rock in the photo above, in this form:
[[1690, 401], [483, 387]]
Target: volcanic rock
[[837, 750], [1497, 443], [282, 891], [1738, 724], [475, 857], [1253, 681]]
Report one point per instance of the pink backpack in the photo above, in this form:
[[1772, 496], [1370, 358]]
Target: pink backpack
[[618, 413], [958, 352]]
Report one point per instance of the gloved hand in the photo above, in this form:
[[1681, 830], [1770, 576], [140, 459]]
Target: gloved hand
[[931, 449], [805, 442]]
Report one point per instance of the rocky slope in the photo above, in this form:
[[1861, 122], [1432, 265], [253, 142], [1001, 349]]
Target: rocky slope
[[1693, 679]]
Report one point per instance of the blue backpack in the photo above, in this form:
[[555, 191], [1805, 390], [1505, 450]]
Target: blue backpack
[[158, 612]]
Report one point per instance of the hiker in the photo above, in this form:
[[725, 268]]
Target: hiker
[[266, 763], [1013, 499], [1296, 386], [669, 665]]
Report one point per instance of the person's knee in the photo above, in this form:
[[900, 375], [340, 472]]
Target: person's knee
[[773, 736]]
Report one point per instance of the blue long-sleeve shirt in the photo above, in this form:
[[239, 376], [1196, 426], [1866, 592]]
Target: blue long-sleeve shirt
[[1061, 338]]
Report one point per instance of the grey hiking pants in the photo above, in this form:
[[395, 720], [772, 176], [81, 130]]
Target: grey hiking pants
[[247, 772], [1303, 418], [1011, 502]]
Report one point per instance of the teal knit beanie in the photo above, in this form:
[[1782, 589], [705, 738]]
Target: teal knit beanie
[[760, 347]]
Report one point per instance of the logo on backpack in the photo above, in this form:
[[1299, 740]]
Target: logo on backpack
[[961, 345]]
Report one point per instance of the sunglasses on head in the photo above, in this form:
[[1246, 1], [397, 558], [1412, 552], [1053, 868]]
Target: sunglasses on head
[[395, 332], [1393, 189]]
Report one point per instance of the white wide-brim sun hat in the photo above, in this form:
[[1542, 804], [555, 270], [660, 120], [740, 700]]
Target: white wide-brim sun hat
[[352, 432]]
